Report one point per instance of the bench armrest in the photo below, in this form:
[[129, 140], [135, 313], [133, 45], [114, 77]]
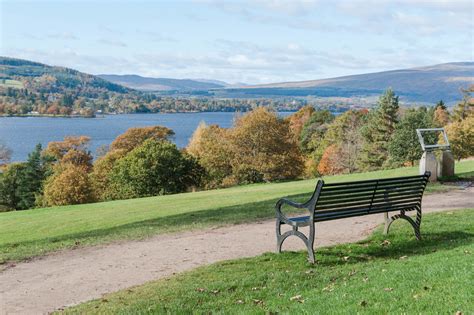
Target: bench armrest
[[290, 203], [280, 215]]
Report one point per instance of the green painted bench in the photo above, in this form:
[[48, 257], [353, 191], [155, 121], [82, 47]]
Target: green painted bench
[[352, 199]]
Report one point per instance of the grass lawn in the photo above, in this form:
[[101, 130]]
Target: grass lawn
[[383, 274], [25, 234]]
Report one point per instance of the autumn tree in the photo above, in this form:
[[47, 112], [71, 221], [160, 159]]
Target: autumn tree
[[134, 137], [461, 137], [72, 157], [329, 164], [264, 148], [299, 119], [58, 149], [378, 131], [440, 116], [211, 146], [68, 185]]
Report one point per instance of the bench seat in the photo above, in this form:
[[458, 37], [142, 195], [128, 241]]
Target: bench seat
[[349, 199]]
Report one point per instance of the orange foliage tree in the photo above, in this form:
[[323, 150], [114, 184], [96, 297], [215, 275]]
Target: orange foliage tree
[[329, 164]]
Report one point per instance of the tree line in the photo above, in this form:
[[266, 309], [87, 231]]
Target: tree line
[[260, 147]]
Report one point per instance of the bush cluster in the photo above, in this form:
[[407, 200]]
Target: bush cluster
[[260, 147]]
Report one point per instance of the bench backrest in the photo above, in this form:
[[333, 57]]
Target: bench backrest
[[341, 200]]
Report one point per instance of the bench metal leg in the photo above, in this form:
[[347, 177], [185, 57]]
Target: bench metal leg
[[308, 241], [415, 224]]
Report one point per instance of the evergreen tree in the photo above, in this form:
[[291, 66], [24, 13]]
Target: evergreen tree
[[32, 179], [378, 131], [404, 146]]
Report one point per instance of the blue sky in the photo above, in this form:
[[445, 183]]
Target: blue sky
[[238, 41]]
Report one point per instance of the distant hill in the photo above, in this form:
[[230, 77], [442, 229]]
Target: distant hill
[[163, 84], [41, 78], [425, 84]]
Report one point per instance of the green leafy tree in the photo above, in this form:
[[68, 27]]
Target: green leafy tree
[[404, 145], [11, 182], [378, 131], [314, 130], [154, 168]]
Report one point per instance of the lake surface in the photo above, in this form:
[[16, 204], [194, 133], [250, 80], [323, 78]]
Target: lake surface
[[21, 134]]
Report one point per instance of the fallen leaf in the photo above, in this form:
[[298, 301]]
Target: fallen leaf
[[458, 313], [404, 257], [200, 290], [346, 258], [215, 291], [388, 289], [385, 243], [258, 302], [239, 302], [365, 279], [297, 298]]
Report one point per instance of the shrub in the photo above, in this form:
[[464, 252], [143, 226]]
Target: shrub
[[154, 168]]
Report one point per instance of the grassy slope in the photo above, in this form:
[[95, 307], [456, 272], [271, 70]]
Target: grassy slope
[[401, 275], [30, 233]]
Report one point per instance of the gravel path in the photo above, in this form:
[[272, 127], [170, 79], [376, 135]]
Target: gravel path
[[70, 277]]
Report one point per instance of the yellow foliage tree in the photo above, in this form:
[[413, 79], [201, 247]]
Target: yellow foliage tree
[[211, 146], [134, 137], [441, 117], [264, 148], [461, 137], [70, 184]]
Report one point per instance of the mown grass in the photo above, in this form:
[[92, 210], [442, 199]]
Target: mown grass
[[383, 274], [30, 233]]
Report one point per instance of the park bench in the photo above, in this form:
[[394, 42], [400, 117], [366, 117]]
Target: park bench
[[351, 199]]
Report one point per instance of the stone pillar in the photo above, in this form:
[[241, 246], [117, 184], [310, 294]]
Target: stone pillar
[[446, 164], [429, 163]]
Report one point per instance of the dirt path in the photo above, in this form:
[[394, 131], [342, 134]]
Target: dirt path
[[74, 276]]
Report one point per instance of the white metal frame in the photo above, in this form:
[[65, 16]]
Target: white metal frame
[[428, 147]]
